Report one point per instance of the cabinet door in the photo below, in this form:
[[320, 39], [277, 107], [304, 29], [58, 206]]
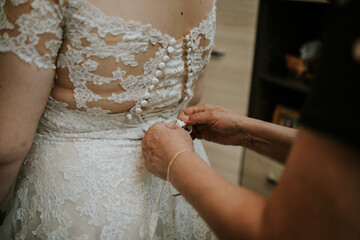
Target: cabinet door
[[260, 173]]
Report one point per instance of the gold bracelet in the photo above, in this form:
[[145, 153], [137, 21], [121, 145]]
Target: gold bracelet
[[169, 167]]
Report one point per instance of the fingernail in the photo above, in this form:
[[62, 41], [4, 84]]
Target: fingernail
[[185, 118]]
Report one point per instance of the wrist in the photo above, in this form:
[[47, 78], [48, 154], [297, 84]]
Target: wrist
[[244, 131], [182, 161]]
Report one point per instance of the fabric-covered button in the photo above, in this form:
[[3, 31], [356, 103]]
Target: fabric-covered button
[[147, 95], [138, 110], [162, 65], [158, 73], [172, 42], [154, 80], [189, 68], [187, 37], [144, 103], [170, 49], [188, 57], [151, 87], [129, 116], [166, 58], [189, 50]]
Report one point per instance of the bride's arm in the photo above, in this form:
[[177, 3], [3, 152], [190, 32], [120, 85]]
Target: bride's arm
[[24, 90], [30, 37]]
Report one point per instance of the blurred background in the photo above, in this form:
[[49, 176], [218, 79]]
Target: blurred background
[[228, 78], [266, 56]]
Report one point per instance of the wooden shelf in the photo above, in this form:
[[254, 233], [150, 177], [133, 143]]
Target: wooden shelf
[[287, 82], [311, 1]]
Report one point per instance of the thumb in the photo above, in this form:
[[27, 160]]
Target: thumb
[[170, 126]]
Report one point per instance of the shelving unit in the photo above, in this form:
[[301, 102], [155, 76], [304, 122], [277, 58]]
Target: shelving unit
[[283, 27]]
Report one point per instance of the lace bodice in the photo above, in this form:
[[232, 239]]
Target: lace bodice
[[92, 51]]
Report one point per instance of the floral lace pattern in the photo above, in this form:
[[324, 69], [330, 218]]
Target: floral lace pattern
[[84, 21], [84, 177], [25, 43]]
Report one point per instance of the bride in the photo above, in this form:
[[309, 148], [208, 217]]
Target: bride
[[81, 81]]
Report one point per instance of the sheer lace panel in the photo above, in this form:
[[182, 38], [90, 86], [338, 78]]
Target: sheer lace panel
[[114, 64], [32, 30], [105, 63]]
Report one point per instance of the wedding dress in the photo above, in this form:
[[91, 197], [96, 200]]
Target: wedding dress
[[84, 177]]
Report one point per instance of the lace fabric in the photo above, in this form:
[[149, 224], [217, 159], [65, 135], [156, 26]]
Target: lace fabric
[[86, 180], [83, 177], [22, 35], [78, 58]]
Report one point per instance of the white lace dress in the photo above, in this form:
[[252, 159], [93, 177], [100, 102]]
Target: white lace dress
[[84, 177]]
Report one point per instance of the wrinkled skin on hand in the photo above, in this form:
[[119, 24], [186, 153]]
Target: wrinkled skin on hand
[[160, 144], [212, 123]]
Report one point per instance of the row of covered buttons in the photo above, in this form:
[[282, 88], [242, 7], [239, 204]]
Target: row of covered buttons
[[155, 80], [188, 64]]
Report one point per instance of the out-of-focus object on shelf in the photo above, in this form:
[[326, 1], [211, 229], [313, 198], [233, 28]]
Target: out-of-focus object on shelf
[[286, 117], [305, 66], [295, 65]]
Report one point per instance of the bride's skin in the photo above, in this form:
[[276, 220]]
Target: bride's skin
[[24, 88]]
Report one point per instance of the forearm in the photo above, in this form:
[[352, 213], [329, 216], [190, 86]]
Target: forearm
[[220, 125], [24, 93], [8, 173], [266, 138], [13, 150], [231, 211]]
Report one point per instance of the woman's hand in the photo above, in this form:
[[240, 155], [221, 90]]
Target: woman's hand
[[160, 144], [213, 124]]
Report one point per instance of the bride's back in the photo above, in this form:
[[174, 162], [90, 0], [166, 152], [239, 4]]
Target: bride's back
[[115, 54], [175, 17], [83, 176]]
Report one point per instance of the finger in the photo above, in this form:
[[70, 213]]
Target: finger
[[203, 131], [160, 125], [154, 128], [201, 128], [200, 118], [170, 126], [195, 130], [157, 125], [197, 109], [183, 117], [196, 135]]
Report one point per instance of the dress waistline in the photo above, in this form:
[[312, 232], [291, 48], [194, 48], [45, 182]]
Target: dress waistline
[[61, 122]]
